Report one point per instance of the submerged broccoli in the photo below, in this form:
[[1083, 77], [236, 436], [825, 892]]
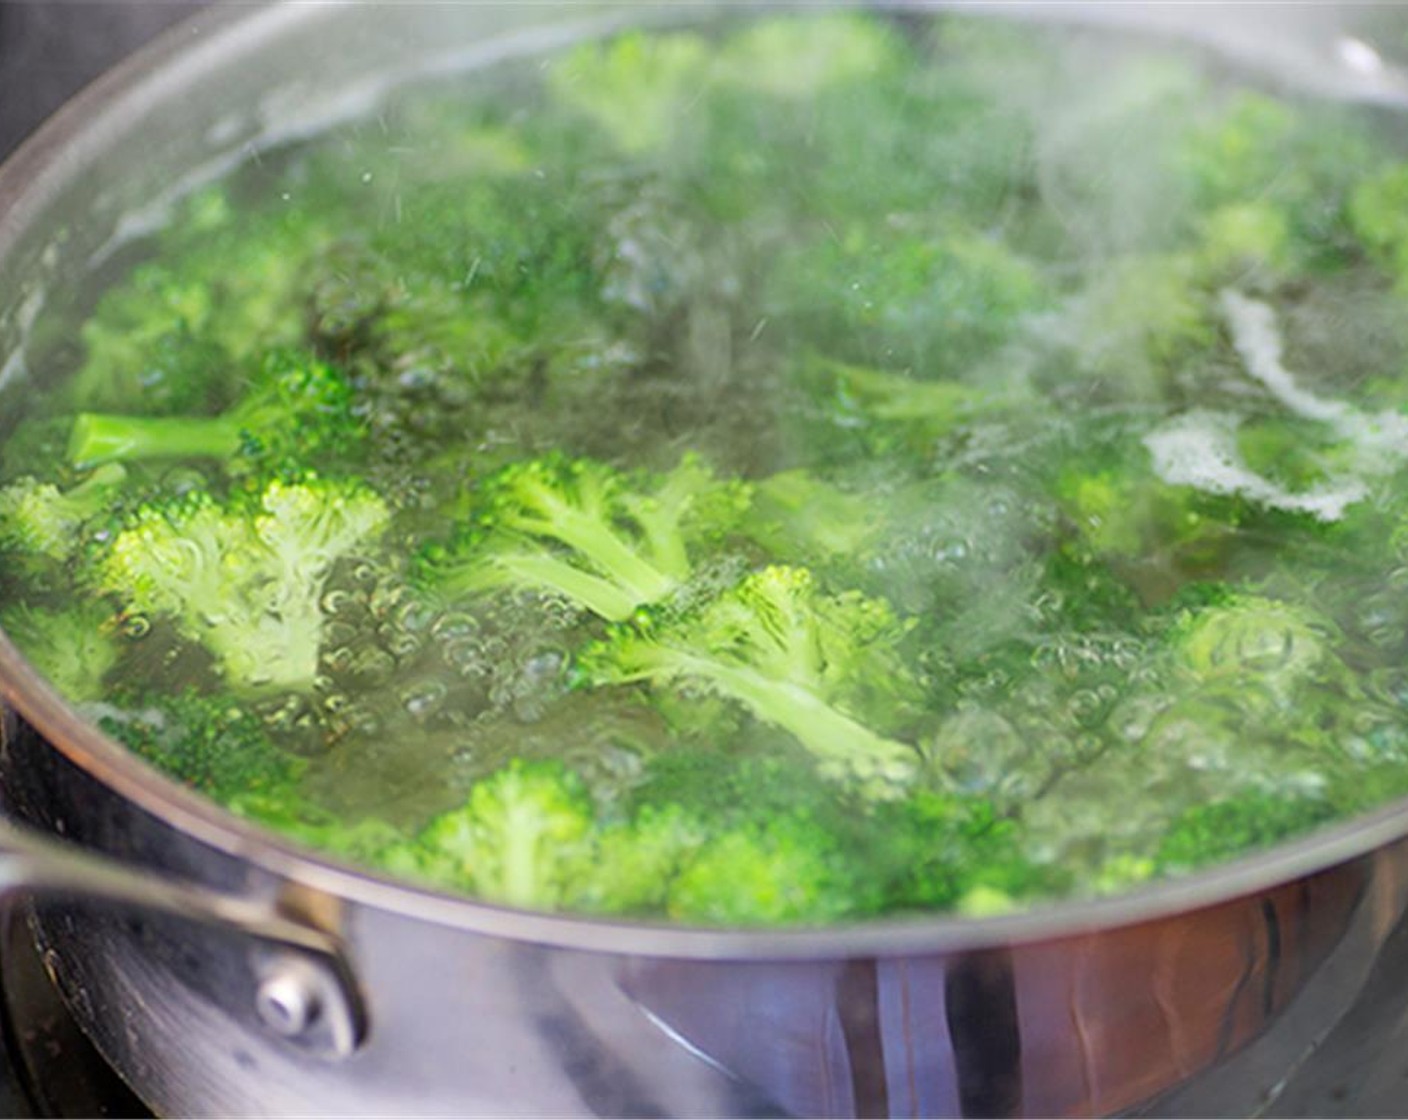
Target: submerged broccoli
[[1222, 830], [74, 646], [297, 407], [784, 871], [211, 743], [585, 531], [938, 851], [522, 838], [40, 523], [245, 578], [183, 326], [814, 664], [1255, 645]]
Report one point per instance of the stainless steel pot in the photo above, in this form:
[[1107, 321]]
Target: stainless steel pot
[[224, 971]]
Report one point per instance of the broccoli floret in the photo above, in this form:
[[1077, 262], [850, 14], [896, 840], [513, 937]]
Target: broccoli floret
[[634, 863], [74, 646], [296, 409], [280, 806], [796, 515], [1250, 640], [181, 328], [1140, 319], [810, 663], [245, 578], [796, 58], [40, 524], [211, 743], [905, 299], [581, 529], [634, 87], [1222, 830], [785, 871], [869, 412], [522, 838], [937, 851]]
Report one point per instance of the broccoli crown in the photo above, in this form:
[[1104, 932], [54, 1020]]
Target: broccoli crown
[[245, 578], [40, 522], [1247, 641], [297, 408], [935, 850], [212, 743], [73, 646], [811, 663], [522, 838], [787, 870], [635, 863], [608, 542]]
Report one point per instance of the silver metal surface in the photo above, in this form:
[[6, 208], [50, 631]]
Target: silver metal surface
[[471, 1009]]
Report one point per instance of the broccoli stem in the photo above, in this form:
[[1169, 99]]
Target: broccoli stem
[[835, 738], [102, 438], [613, 556], [538, 570]]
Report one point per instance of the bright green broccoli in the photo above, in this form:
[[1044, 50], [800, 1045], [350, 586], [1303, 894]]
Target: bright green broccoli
[[784, 871], [73, 646], [39, 523], [245, 578], [606, 541], [633, 87], [523, 838], [212, 743], [797, 58], [296, 408], [815, 665], [1255, 645], [635, 863]]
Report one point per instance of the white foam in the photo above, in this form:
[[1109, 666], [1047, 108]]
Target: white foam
[[1379, 440], [1258, 342], [1199, 449]]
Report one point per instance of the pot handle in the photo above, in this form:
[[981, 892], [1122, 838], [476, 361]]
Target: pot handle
[[305, 993]]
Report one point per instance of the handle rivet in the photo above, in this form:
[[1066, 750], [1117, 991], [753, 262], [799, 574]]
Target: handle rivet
[[287, 1001]]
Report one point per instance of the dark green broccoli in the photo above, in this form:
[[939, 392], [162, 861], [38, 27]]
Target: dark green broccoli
[[1222, 830], [938, 851], [73, 646], [927, 303], [818, 666], [212, 743], [244, 578], [606, 541], [178, 333], [297, 408]]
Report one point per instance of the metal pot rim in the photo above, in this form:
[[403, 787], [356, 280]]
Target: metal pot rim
[[59, 150]]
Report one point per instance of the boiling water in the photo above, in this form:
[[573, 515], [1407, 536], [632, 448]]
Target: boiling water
[[1098, 383]]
